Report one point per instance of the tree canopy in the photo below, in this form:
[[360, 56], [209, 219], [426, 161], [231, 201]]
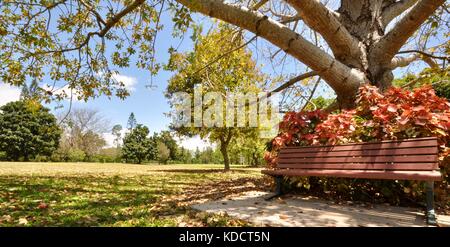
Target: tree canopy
[[27, 129], [137, 146], [80, 45]]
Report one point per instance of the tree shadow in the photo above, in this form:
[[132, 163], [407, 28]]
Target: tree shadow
[[106, 200]]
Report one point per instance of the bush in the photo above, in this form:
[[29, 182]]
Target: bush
[[3, 156], [76, 155], [41, 158], [396, 114], [163, 153], [108, 155], [443, 89]]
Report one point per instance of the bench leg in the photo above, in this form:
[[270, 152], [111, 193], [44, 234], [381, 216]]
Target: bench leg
[[431, 216], [278, 189]]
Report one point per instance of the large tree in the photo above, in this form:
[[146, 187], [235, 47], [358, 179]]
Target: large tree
[[352, 41], [27, 129], [137, 146], [167, 139], [235, 74]]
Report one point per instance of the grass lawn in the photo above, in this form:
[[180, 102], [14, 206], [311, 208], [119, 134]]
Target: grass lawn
[[94, 194]]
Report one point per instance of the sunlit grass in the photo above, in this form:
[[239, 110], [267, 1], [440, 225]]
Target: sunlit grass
[[93, 194]]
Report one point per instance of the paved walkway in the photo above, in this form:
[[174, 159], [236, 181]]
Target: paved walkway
[[304, 211]]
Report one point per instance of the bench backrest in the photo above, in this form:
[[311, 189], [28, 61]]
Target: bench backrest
[[409, 154]]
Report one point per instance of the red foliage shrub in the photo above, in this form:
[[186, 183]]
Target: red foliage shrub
[[395, 114]]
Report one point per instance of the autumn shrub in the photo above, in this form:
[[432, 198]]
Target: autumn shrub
[[395, 114]]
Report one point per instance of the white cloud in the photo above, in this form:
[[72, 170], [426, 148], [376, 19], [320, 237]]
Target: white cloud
[[194, 142], [128, 81], [8, 93], [109, 138]]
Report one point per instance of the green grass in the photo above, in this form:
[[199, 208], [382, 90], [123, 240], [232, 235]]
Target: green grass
[[93, 194]]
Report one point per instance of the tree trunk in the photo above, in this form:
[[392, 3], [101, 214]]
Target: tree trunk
[[364, 21], [226, 159], [255, 159]]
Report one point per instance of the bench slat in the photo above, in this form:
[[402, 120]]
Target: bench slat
[[368, 159], [413, 159], [364, 166], [362, 146], [369, 174], [370, 152]]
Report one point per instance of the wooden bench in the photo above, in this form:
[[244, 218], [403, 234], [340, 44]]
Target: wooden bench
[[409, 159]]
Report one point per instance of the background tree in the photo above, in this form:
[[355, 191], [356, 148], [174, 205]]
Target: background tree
[[24, 92], [437, 78], [163, 153], [27, 129], [196, 155], [137, 146], [166, 138], [185, 156], [30, 92], [347, 43], [318, 103], [117, 133], [131, 123], [248, 149], [84, 130], [235, 73]]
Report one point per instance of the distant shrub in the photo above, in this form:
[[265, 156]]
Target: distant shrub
[[163, 153], [41, 158], [76, 155], [443, 89], [109, 155], [3, 156]]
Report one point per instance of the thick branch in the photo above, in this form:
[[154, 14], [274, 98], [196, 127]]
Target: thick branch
[[288, 19], [397, 61], [116, 18], [396, 9], [391, 43], [340, 77], [321, 19], [418, 55]]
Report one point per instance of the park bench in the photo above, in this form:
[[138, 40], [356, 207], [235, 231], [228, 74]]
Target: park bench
[[408, 159]]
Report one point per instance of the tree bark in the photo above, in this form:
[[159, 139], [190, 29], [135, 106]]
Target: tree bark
[[226, 158], [255, 159], [224, 143]]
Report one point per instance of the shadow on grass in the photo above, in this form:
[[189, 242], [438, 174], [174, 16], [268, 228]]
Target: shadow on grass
[[113, 201], [204, 171]]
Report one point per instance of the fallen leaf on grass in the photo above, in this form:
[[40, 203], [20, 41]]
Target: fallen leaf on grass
[[283, 217], [42, 205], [6, 218], [23, 221]]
